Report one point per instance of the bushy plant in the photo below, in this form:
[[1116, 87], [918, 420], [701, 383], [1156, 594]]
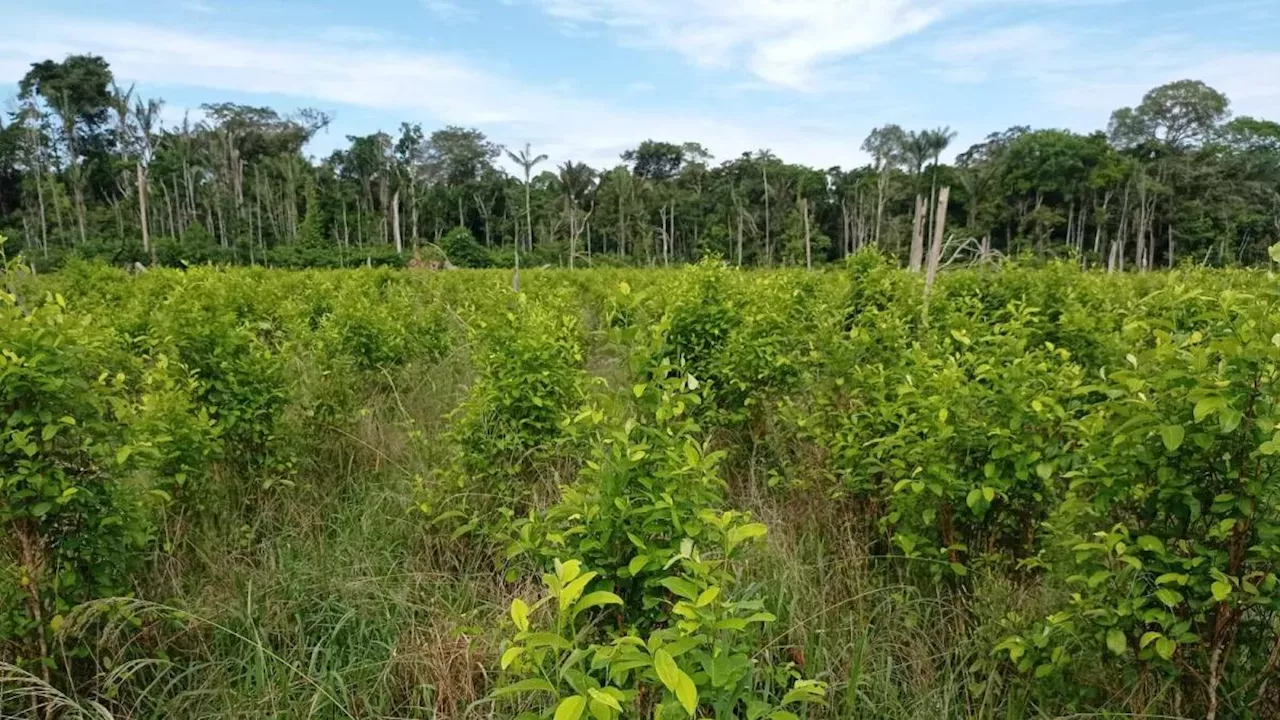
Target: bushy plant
[[93, 443], [1170, 533], [528, 361], [462, 249]]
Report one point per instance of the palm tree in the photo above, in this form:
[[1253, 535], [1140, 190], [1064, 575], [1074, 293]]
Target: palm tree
[[526, 160], [576, 180], [917, 150], [936, 141]]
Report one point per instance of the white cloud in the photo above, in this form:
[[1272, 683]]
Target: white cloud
[[967, 58], [1085, 74], [783, 42], [448, 9], [435, 88]]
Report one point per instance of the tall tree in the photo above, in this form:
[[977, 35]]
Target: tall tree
[[887, 147], [79, 91], [527, 162]]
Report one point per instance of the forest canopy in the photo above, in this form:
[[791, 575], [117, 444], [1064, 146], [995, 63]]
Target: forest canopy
[[88, 168]]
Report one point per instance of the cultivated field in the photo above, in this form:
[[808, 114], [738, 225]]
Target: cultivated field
[[1032, 492]]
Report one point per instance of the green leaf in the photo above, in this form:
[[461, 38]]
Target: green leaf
[[546, 639], [1207, 406], [510, 656], [808, 691], [974, 497], [123, 454], [666, 667], [574, 590], [1150, 543], [707, 597], [571, 708], [676, 680], [525, 686], [742, 533], [520, 614], [1172, 436], [1165, 648], [637, 564], [1169, 597], [605, 699], [681, 587], [687, 693], [596, 599], [1221, 590], [1116, 641]]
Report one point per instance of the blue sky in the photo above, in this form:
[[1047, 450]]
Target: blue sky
[[586, 79]]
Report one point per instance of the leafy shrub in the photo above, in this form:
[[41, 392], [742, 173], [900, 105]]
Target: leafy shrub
[[528, 363], [87, 460], [646, 510], [462, 249], [1170, 533]]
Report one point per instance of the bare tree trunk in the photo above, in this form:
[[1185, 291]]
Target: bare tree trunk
[[573, 234], [44, 224], [768, 242], [739, 237], [1121, 233], [346, 231], [666, 238], [846, 239], [935, 248], [413, 210], [484, 217], [916, 258], [882, 182], [80, 211], [622, 226], [395, 221], [222, 226], [359, 224], [57, 208], [168, 209], [1101, 223], [142, 213], [1071, 224], [808, 245]]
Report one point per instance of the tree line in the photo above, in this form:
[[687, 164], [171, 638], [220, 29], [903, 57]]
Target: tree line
[[87, 167]]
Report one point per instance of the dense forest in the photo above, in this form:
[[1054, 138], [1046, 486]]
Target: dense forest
[[88, 168]]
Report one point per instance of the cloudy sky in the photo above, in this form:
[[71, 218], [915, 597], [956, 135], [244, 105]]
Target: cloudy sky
[[585, 79]]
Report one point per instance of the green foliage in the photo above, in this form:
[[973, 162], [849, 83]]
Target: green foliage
[[1052, 489], [528, 357], [460, 246], [1170, 531], [570, 666], [93, 443]]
